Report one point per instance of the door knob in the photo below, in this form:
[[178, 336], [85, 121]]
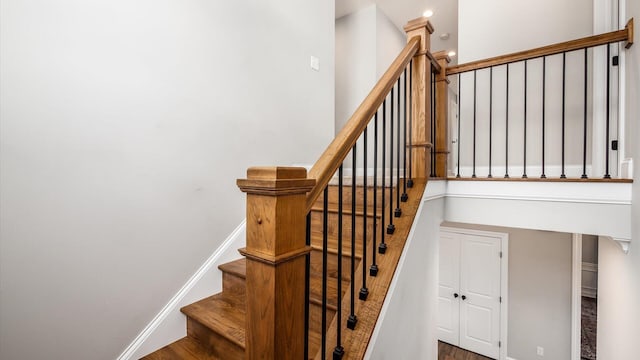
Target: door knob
[[455, 295], [464, 297]]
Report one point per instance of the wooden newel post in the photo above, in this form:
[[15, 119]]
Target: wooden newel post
[[442, 115], [421, 97], [275, 252]]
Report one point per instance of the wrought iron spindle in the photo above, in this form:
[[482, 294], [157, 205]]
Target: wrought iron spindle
[[506, 153], [352, 320], [364, 292], [404, 148], [475, 98], [606, 174], [459, 119], [524, 173], [564, 82], [544, 100], [391, 228], [584, 110], [398, 211], [325, 220], [382, 248], [410, 181], [338, 351], [490, 118], [373, 270]]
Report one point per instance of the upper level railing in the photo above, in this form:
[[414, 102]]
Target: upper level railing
[[302, 228], [548, 112]]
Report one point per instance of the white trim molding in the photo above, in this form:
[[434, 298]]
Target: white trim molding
[[622, 242], [576, 295]]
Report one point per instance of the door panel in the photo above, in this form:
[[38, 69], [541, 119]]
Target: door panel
[[480, 284], [449, 283]]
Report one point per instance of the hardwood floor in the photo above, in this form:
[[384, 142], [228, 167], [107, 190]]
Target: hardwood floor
[[450, 352]]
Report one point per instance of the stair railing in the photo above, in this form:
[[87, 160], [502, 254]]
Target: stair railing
[[503, 93], [388, 138]]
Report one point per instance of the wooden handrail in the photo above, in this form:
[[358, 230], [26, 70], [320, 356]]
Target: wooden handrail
[[625, 34], [434, 62], [330, 160]]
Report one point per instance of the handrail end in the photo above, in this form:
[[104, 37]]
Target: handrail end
[[629, 28]]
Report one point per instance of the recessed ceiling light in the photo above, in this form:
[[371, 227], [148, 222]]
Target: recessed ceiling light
[[428, 13], [444, 36], [451, 53]]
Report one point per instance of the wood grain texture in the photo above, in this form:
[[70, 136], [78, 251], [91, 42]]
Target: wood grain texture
[[184, 349], [450, 352], [355, 342], [532, 179], [442, 116], [625, 34], [340, 147]]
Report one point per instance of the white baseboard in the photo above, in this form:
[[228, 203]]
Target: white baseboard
[[169, 324], [510, 358]]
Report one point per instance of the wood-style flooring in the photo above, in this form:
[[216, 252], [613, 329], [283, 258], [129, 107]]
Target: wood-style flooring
[[450, 352]]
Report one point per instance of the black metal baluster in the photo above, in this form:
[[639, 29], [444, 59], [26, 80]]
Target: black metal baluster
[[506, 153], [364, 292], [307, 286], [382, 248], [398, 211], [544, 100], [584, 110], [373, 270], [352, 320], [410, 181], [524, 174], [475, 97], [459, 119], [338, 351], [391, 228], [325, 220], [606, 174], [490, 117], [564, 81], [404, 148]]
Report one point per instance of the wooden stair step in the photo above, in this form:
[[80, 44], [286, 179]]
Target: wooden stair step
[[332, 225], [184, 349], [218, 323], [332, 263], [346, 197]]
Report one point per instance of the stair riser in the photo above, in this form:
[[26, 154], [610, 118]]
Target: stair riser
[[234, 284], [346, 197], [332, 225], [332, 265], [214, 343], [315, 318]]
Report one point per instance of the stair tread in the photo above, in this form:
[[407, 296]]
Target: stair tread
[[183, 349], [240, 269], [222, 313]]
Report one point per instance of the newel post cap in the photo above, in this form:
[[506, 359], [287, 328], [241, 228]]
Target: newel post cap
[[276, 180]]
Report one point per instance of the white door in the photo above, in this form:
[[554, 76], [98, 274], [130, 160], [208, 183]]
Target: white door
[[469, 292], [480, 294], [448, 289]]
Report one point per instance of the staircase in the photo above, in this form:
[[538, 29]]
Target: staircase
[[216, 324]]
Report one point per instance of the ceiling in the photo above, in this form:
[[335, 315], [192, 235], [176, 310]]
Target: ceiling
[[444, 19]]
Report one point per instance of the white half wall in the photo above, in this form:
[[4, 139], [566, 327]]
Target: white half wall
[[124, 125], [408, 316]]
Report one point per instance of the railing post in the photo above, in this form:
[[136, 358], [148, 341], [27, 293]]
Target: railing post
[[421, 96], [275, 252], [442, 114]]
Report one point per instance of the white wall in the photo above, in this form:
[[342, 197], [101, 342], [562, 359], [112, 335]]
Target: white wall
[[539, 291], [619, 274], [409, 314], [367, 42], [124, 127]]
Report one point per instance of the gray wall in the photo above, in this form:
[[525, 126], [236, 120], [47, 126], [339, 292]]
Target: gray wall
[[124, 127], [539, 292]]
